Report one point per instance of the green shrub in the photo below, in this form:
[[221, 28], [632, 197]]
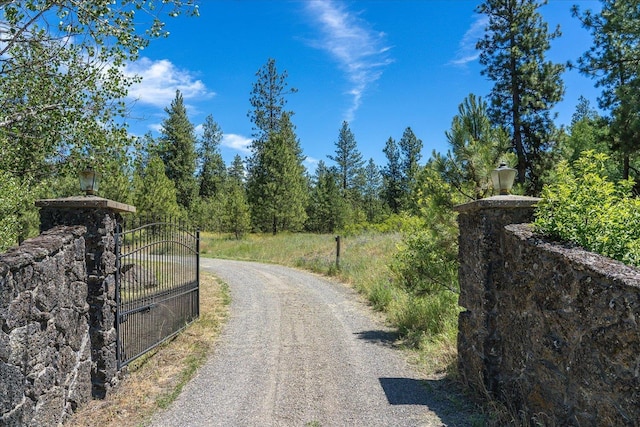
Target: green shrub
[[585, 208], [427, 260], [381, 295], [429, 316]]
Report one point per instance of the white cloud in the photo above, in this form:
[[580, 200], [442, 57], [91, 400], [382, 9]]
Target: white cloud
[[467, 51], [311, 164], [359, 50], [156, 127], [160, 80], [236, 142]]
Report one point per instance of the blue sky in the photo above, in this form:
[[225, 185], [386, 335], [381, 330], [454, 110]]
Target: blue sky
[[380, 65]]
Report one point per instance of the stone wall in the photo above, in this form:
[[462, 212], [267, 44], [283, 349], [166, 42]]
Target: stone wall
[[547, 329], [100, 260], [45, 351]]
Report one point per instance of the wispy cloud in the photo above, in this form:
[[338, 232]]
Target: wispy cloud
[[236, 142], [360, 51], [160, 80], [467, 49], [311, 164]]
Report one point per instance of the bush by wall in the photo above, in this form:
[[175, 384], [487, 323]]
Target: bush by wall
[[585, 208]]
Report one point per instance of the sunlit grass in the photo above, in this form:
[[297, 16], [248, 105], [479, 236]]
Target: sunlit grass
[[363, 258], [154, 380]]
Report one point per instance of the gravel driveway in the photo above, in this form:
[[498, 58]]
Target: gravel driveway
[[299, 350]]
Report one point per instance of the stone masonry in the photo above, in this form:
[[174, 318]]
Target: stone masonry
[[548, 329], [57, 313], [45, 350]]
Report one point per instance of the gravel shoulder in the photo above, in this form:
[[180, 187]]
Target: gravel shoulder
[[300, 350]]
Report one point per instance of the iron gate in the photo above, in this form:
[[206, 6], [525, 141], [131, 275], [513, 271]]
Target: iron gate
[[157, 284]]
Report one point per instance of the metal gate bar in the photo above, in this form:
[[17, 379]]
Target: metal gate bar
[[157, 284]]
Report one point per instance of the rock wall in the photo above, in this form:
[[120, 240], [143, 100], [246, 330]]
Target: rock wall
[[567, 322], [45, 348], [547, 329], [100, 258]]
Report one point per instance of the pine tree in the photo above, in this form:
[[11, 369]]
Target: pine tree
[[236, 170], [348, 159], [268, 102], [613, 61], [526, 85], [327, 207], [476, 149], [277, 186], [589, 132], [236, 217], [410, 154], [154, 193], [177, 151], [392, 176], [212, 172], [372, 191]]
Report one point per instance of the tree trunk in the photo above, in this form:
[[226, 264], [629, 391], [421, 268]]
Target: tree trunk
[[515, 113], [625, 166]]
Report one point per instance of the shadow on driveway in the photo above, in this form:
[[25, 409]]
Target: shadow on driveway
[[443, 397], [385, 338]]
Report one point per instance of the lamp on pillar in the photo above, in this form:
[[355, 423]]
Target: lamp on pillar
[[89, 181], [503, 178]]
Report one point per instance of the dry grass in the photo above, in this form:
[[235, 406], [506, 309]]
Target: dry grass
[[156, 379]]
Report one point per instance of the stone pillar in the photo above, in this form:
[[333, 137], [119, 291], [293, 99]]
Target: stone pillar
[[99, 216], [481, 225]]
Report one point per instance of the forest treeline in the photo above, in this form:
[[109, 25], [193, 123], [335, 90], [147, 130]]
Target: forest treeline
[[62, 108]]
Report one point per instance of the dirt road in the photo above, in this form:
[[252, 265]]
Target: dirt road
[[299, 350]]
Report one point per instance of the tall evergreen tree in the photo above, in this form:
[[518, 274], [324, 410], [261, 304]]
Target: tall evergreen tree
[[236, 217], [526, 85], [371, 192], [268, 102], [348, 159], [613, 61], [236, 170], [277, 186], [327, 207], [410, 153], [392, 176], [154, 193], [177, 150], [212, 172]]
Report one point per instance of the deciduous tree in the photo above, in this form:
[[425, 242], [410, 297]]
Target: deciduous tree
[[61, 80]]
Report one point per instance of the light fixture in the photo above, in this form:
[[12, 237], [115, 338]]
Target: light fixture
[[89, 181], [503, 178]]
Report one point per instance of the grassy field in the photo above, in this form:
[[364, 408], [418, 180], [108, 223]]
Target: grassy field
[[363, 259]]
